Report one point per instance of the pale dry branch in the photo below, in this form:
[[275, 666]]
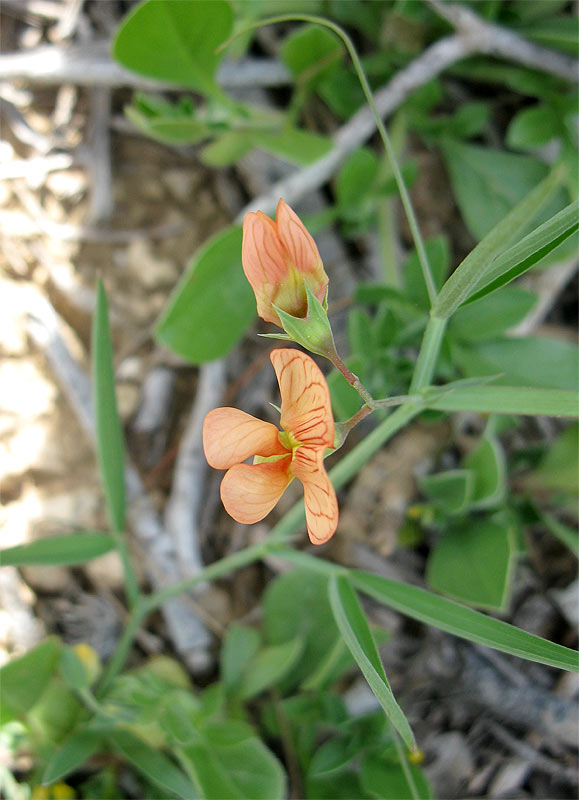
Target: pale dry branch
[[188, 633], [92, 65], [495, 40]]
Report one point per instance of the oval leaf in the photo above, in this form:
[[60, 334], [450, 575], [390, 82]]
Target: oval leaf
[[175, 41], [213, 304]]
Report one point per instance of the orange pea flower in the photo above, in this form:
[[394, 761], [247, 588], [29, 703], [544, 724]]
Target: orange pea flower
[[279, 258], [230, 436]]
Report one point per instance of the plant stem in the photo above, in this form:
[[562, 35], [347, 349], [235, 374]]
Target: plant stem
[[352, 379], [129, 574], [428, 354], [147, 605]]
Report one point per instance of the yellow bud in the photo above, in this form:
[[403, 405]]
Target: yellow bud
[[62, 791], [416, 756], [90, 660], [40, 793]]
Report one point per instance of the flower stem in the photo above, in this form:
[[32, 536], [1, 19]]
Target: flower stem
[[352, 379]]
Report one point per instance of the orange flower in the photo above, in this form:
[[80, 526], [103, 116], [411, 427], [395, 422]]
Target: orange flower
[[279, 258], [230, 436]]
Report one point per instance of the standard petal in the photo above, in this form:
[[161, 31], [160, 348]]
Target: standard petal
[[250, 491], [306, 411], [265, 261], [319, 495], [298, 242], [230, 436]]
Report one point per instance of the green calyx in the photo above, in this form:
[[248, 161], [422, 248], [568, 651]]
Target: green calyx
[[313, 331]]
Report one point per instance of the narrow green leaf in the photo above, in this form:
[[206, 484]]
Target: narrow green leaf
[[72, 754], [109, 434], [567, 535], [354, 627], [66, 550], [471, 271], [213, 304], [464, 622], [73, 670], [153, 764], [509, 400], [175, 41], [528, 252]]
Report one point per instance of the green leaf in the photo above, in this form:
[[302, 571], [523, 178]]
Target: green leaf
[[311, 619], [473, 562], [356, 179], [229, 761], [66, 550], [489, 317], [567, 535], [487, 183], [151, 763], [508, 400], [23, 680], [559, 467], [471, 272], [239, 646], [464, 622], [72, 754], [175, 41], [73, 670], [227, 149], [109, 433], [533, 361], [171, 130], [297, 146], [268, 667], [528, 252], [213, 304], [354, 627], [310, 53], [451, 490], [387, 781], [532, 127], [487, 463]]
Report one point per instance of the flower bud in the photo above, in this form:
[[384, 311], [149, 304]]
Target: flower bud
[[279, 260]]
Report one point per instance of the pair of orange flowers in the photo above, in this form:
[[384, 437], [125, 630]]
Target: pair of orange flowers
[[279, 260]]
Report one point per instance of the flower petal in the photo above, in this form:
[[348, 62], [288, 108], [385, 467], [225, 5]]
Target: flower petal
[[319, 495], [298, 242], [250, 491], [306, 411], [265, 261], [230, 436]]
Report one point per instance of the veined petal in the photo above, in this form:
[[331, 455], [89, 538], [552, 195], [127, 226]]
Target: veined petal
[[298, 242], [265, 261], [306, 411], [230, 436], [250, 491], [319, 495]]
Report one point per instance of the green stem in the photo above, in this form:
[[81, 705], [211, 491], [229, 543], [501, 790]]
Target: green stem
[[129, 574], [404, 196], [149, 604], [428, 355]]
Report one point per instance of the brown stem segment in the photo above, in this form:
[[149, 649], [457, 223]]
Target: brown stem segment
[[352, 379]]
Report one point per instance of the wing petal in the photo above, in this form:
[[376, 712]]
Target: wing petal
[[319, 495], [250, 491], [230, 436], [306, 411]]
